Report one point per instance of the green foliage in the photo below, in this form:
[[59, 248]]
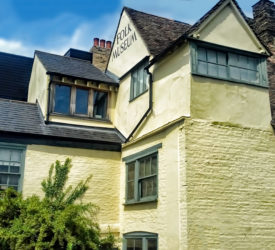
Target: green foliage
[[55, 221]]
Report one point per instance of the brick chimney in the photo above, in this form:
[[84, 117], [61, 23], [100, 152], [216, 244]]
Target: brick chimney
[[264, 25], [101, 51]]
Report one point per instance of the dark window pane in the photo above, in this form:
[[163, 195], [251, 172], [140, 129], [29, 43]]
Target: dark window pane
[[3, 179], [152, 244], [211, 56], [244, 74], [233, 59], [235, 73], [14, 179], [202, 67], [222, 71], [243, 62], [252, 63], [148, 186], [212, 69], [142, 168], [147, 166], [4, 168], [253, 76], [14, 169], [16, 155], [100, 104], [131, 171], [138, 244], [134, 84], [130, 244], [62, 99], [154, 165], [202, 54], [130, 190], [221, 58], [5, 154], [81, 102]]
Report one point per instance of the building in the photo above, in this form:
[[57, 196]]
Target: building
[[177, 131]]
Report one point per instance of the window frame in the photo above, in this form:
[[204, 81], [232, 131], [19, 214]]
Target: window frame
[[142, 64], [261, 65], [136, 158], [23, 148], [140, 235], [72, 108]]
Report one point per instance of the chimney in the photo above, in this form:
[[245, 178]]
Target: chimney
[[101, 51], [264, 20], [264, 25]]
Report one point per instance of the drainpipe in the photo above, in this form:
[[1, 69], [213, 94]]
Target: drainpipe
[[150, 104], [49, 98]]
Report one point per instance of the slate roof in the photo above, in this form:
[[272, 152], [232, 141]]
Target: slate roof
[[69, 66], [26, 118], [15, 72], [80, 54], [157, 32]]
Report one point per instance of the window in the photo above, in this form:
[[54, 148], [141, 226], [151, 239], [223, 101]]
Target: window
[[140, 241], [139, 80], [71, 100], [142, 176], [11, 166], [229, 64]]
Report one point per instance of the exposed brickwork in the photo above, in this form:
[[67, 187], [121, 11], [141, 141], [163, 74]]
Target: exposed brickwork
[[100, 57], [230, 174], [264, 25]]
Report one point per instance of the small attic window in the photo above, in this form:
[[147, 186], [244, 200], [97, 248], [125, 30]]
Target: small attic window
[[228, 64], [79, 101], [139, 79]]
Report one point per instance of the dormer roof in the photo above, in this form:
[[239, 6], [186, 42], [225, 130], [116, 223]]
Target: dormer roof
[[73, 67]]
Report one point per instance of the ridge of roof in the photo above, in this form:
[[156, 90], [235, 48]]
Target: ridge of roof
[[157, 32], [248, 20], [15, 55], [194, 27], [146, 13]]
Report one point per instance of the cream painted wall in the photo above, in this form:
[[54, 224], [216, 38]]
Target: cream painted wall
[[103, 165], [80, 121], [38, 87], [171, 96], [228, 29], [133, 54], [162, 217], [218, 100]]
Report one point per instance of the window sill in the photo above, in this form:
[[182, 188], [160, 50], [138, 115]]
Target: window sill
[[82, 117], [230, 80], [131, 100], [148, 200]]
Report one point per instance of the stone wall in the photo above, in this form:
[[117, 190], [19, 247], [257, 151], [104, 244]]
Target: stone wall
[[264, 25]]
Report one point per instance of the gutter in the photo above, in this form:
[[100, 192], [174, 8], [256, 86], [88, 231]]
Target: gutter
[[150, 104], [49, 98]]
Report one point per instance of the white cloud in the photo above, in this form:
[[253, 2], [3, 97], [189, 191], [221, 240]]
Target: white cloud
[[80, 38]]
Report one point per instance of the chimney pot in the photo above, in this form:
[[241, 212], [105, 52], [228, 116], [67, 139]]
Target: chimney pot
[[108, 44], [102, 43], [96, 42]]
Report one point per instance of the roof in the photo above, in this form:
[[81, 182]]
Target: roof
[[216, 6], [157, 32], [15, 72], [73, 67], [80, 54], [26, 118]]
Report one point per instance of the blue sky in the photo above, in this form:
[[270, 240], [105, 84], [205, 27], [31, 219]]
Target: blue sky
[[57, 25]]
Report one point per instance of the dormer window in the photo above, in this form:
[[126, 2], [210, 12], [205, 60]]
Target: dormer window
[[79, 101]]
